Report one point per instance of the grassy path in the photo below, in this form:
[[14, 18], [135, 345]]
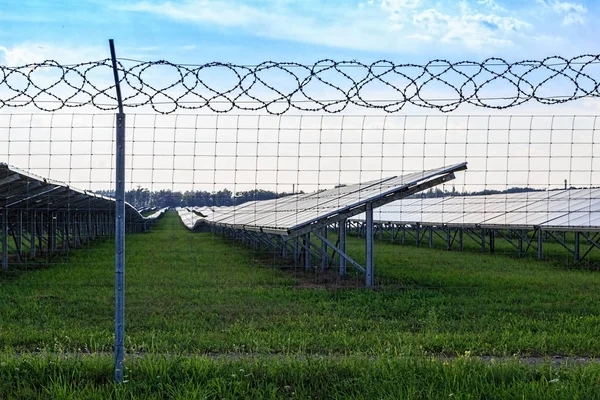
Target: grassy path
[[194, 294]]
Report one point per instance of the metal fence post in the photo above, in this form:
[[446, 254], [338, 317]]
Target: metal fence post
[[119, 228]]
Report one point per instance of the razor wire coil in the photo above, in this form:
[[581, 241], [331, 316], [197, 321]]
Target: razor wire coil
[[277, 87]]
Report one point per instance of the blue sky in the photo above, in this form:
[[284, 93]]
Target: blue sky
[[251, 31], [304, 31]]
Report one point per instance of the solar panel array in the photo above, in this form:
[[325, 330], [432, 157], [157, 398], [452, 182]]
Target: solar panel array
[[284, 216], [44, 217], [565, 210], [20, 190]]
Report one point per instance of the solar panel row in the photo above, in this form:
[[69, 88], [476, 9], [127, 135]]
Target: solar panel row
[[288, 215], [566, 210], [20, 190], [43, 216]]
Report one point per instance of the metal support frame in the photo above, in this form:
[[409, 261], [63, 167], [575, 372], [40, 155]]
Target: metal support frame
[[341, 253], [592, 242], [577, 252], [522, 240], [540, 249], [319, 253], [306, 247], [342, 236], [32, 236], [369, 264], [324, 258], [19, 238], [5, 239]]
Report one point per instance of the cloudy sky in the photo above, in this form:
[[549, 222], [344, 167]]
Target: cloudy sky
[[305, 31], [251, 31]]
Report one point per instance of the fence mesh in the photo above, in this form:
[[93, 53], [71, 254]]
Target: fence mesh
[[522, 172], [498, 259]]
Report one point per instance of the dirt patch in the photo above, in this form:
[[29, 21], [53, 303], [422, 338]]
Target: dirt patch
[[328, 279], [558, 360]]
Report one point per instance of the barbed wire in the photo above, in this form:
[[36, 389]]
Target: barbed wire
[[277, 87]]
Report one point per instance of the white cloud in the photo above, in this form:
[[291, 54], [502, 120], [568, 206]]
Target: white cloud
[[34, 52], [491, 4], [469, 28], [400, 26], [573, 13], [399, 7], [344, 27], [225, 13]]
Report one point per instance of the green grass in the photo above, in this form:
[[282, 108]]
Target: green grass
[[552, 251], [191, 294], [154, 377]]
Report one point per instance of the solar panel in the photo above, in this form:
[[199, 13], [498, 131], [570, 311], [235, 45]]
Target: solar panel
[[559, 209], [287, 214], [20, 190]]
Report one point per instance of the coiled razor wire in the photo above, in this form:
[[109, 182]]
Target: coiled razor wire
[[277, 87]]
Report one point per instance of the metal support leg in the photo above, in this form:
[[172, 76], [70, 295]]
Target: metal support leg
[[65, 240], [33, 235], [20, 235], [68, 230], [40, 233], [296, 255], [307, 265], [91, 229], [342, 236], [284, 247], [492, 241], [5, 239], [50, 236], [324, 260], [483, 240], [54, 220], [369, 246], [540, 244], [430, 239], [577, 252]]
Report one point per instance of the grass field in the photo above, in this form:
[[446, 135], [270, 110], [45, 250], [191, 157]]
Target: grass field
[[208, 318]]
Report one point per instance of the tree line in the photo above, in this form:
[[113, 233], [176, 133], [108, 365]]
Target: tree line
[[437, 192], [141, 197]]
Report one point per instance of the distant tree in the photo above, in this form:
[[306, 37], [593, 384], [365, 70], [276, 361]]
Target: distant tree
[[142, 197]]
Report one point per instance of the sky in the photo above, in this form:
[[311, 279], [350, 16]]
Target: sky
[[250, 32]]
